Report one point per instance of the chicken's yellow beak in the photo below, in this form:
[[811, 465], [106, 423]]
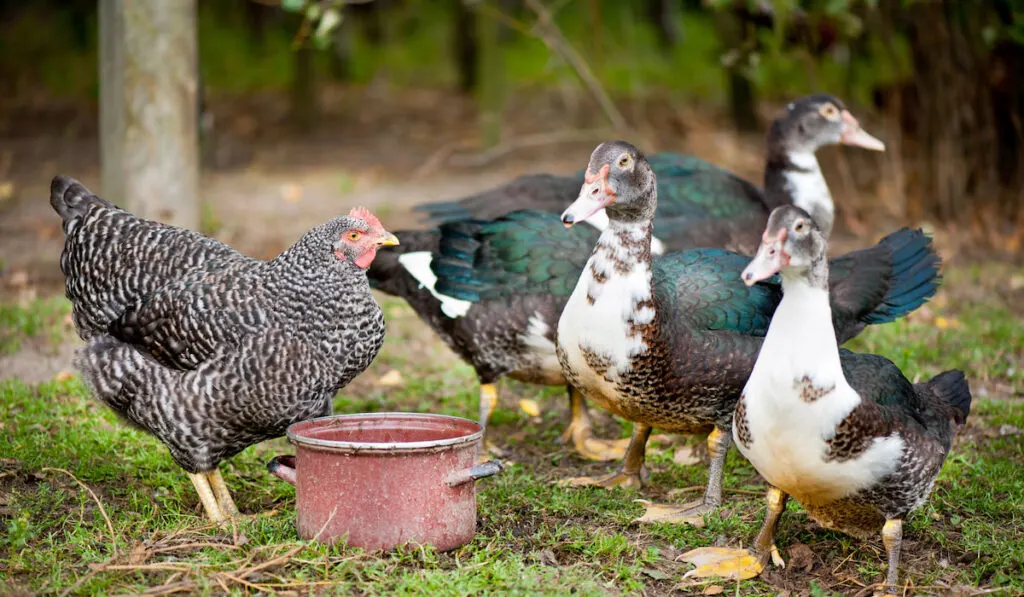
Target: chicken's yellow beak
[[389, 241]]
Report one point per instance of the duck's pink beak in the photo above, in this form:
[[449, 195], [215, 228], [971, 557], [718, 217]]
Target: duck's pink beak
[[769, 260], [854, 135], [595, 195]]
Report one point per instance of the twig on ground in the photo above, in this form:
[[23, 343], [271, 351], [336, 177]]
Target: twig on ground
[[95, 498]]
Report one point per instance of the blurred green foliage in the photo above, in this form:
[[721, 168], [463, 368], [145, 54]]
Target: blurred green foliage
[[617, 39]]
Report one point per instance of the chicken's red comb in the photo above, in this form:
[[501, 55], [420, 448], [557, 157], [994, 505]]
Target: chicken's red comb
[[364, 214]]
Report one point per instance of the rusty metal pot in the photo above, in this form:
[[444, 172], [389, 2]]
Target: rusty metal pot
[[384, 479]]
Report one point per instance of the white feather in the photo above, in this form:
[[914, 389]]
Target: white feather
[[788, 434], [600, 221], [417, 264], [808, 187], [542, 350], [604, 326]]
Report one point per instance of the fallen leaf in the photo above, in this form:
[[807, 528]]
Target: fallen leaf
[[530, 407], [63, 376], [941, 322], [18, 278], [139, 555], [1005, 430], [713, 590], [6, 190], [801, 557], [390, 379], [291, 192], [685, 455]]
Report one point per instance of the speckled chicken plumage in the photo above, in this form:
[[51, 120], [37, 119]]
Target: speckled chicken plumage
[[208, 349]]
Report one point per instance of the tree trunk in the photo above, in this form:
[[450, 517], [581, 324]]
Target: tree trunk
[[465, 46], [305, 104], [490, 80], [149, 145]]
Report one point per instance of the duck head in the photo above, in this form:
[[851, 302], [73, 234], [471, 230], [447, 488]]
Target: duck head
[[618, 180], [791, 244], [812, 122]]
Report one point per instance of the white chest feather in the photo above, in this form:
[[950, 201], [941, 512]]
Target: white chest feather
[[600, 316], [600, 221], [794, 400], [807, 185]]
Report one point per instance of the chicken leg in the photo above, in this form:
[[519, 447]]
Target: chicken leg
[[580, 431], [202, 485], [222, 493], [693, 513], [741, 564]]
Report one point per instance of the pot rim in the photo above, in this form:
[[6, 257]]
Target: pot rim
[[378, 447]]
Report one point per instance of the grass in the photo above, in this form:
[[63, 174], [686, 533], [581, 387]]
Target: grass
[[36, 318], [533, 537]]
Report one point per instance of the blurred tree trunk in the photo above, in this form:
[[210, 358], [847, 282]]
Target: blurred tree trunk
[[148, 108], [490, 77], [305, 103], [465, 45], [666, 16], [732, 32], [969, 136]]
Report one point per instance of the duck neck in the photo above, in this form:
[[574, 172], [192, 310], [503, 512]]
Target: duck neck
[[795, 178], [619, 274], [800, 339]]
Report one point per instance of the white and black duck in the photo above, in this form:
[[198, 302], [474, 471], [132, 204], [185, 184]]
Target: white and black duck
[[670, 342], [847, 435], [508, 329]]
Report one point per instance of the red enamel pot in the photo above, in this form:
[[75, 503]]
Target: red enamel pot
[[383, 479]]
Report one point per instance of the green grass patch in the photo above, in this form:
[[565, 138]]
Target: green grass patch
[[533, 536], [36, 318]]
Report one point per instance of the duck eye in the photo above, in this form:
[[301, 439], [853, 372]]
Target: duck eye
[[624, 160], [829, 111]]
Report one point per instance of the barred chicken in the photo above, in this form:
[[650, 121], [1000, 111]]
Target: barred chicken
[[210, 350]]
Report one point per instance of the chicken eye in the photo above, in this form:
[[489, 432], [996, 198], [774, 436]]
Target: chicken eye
[[354, 235], [829, 111], [624, 160], [799, 227]]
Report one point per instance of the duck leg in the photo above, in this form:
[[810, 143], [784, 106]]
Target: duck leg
[[580, 431], [693, 513], [202, 485], [741, 564], [633, 472], [488, 401], [892, 539], [222, 493]]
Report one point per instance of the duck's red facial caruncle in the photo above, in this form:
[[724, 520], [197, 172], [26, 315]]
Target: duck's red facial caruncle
[[361, 240], [771, 257], [595, 195]]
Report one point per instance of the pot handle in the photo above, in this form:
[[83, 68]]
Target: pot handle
[[283, 467], [479, 471]]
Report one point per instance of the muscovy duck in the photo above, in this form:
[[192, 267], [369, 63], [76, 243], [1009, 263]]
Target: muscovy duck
[[670, 342], [700, 204], [847, 435], [207, 349], [704, 206]]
